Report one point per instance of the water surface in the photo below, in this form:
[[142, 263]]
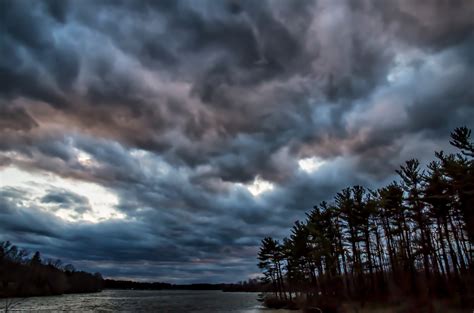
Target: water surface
[[166, 301]]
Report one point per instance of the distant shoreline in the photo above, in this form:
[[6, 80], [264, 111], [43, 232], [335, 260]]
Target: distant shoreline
[[22, 276], [251, 286], [119, 289]]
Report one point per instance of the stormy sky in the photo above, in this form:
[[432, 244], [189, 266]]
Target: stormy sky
[[162, 140]]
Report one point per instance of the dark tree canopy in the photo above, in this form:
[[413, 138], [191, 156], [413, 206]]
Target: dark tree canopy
[[410, 237]]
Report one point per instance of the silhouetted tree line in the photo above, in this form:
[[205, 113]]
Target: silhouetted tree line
[[127, 284], [413, 237], [23, 276], [251, 285]]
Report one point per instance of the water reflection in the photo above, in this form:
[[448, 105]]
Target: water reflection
[[145, 301]]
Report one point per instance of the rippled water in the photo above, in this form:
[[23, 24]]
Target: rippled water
[[145, 301]]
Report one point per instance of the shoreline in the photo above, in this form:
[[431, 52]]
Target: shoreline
[[403, 305]]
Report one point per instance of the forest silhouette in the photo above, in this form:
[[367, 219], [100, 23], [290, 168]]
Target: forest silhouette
[[410, 239], [25, 276], [22, 276]]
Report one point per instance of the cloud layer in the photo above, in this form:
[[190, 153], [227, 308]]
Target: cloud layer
[[164, 114]]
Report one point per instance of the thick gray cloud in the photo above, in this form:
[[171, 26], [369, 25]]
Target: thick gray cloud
[[175, 107], [64, 199]]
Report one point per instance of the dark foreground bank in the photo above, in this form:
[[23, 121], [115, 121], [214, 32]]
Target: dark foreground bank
[[394, 305]]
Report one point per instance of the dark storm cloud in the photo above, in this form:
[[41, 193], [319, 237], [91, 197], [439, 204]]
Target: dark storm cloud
[[432, 25], [63, 199], [19, 220], [15, 118], [174, 106], [36, 64]]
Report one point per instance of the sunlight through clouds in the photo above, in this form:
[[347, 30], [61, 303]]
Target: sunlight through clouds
[[259, 186], [310, 165], [84, 158], [102, 201], [404, 67]]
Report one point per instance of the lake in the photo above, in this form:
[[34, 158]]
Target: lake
[[166, 301]]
